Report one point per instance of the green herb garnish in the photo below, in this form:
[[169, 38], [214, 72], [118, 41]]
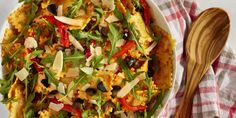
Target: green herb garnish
[[150, 90], [74, 8], [118, 14], [99, 103], [86, 35], [88, 113], [96, 61], [29, 110], [31, 16], [51, 78], [63, 114], [157, 104], [114, 35], [74, 58], [7, 82]]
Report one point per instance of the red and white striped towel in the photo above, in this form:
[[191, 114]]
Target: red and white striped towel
[[216, 94]]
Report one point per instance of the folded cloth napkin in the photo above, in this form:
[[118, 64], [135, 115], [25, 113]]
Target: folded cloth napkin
[[216, 94]]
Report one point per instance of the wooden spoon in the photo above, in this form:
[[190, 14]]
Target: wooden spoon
[[205, 42]]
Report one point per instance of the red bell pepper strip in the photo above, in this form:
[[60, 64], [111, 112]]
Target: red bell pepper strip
[[68, 108], [88, 53], [62, 29], [39, 68], [146, 12], [124, 49], [126, 106]]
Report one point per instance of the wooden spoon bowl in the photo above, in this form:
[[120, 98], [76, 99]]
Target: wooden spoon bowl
[[205, 42]]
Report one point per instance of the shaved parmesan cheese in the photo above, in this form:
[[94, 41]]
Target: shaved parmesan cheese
[[127, 88], [87, 70], [58, 62], [30, 42], [55, 107], [118, 112], [96, 2], [75, 43], [120, 42], [22, 74], [68, 52], [92, 51], [112, 67], [109, 3], [122, 115], [98, 51], [130, 114], [93, 101], [72, 72], [60, 10], [70, 21], [61, 88], [112, 18], [149, 49], [86, 86]]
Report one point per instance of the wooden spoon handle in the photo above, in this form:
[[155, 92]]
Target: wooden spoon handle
[[193, 71]]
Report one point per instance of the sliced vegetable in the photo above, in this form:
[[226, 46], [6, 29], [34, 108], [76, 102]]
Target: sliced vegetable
[[22, 74], [62, 29], [127, 88], [30, 42], [66, 107], [58, 62], [124, 49], [128, 107]]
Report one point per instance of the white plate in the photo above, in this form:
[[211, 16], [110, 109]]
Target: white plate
[[156, 14]]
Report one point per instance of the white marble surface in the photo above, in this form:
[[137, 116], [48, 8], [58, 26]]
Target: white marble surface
[[229, 5]]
